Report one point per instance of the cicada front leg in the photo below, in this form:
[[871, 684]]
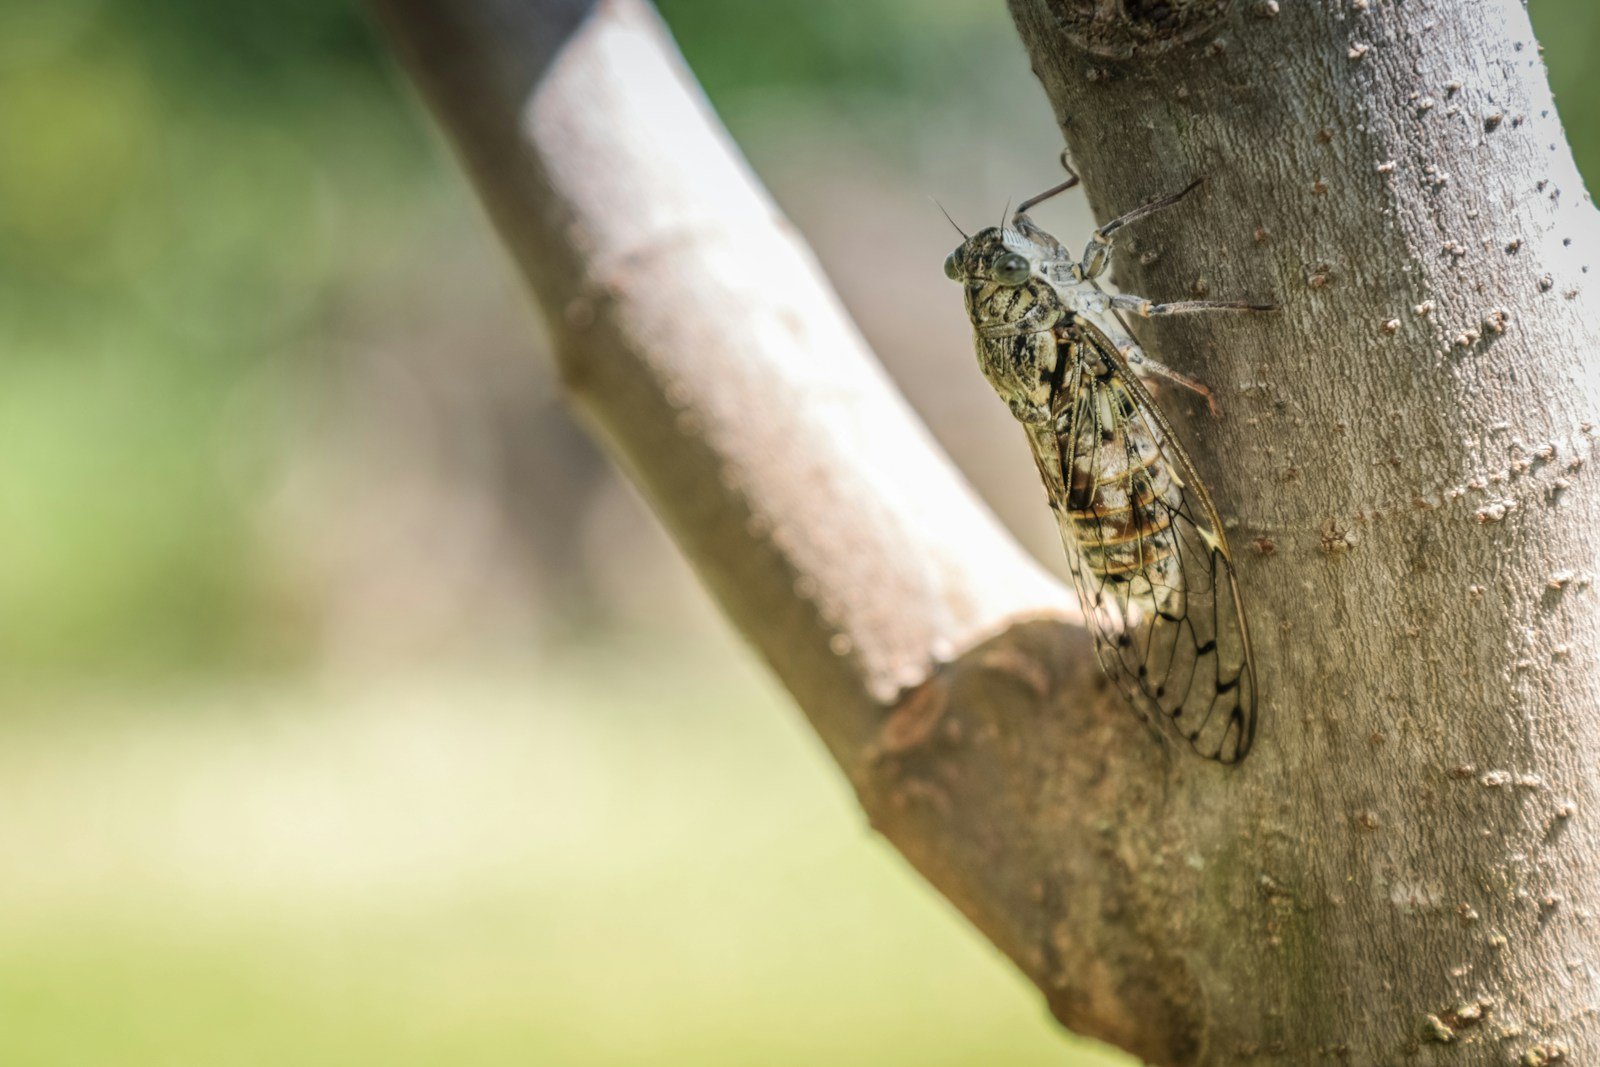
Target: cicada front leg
[[1148, 367]]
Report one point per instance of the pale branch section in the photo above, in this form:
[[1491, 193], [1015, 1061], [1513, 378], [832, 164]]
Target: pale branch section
[[947, 673], [695, 330], [1407, 460]]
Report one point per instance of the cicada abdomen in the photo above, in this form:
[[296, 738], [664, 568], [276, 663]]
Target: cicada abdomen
[[1121, 495]]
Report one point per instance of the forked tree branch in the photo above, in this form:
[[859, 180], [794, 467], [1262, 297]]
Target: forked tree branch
[[1404, 862], [942, 667]]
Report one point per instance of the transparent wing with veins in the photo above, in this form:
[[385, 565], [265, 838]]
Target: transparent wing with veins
[[1147, 554]]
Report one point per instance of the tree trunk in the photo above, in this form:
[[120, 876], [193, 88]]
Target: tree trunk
[[1400, 870], [1408, 858]]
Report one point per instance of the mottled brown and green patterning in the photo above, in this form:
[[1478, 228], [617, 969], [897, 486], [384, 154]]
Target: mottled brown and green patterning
[[1144, 543]]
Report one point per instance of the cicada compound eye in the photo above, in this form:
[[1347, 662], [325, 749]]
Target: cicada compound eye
[[952, 269], [1009, 268]]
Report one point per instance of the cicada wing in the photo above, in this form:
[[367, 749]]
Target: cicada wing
[[1149, 560]]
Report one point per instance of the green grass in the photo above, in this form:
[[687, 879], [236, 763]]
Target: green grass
[[618, 858]]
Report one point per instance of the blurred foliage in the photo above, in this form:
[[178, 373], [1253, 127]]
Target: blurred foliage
[[836, 54], [189, 194], [1569, 31], [185, 191]]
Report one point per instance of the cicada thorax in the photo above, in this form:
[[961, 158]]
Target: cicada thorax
[[1017, 346], [1122, 518]]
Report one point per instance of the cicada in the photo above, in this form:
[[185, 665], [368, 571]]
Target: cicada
[[1144, 544]]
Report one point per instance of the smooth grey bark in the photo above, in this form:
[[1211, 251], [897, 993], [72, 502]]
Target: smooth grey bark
[[1401, 871]]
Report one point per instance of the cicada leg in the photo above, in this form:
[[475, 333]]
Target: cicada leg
[[1147, 309], [1097, 254], [1146, 366]]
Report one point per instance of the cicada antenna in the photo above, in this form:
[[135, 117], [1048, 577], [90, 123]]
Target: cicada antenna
[[964, 235]]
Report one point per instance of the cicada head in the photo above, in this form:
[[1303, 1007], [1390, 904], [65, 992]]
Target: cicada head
[[1015, 308]]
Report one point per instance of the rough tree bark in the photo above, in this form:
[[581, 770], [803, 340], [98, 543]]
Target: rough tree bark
[[1401, 871]]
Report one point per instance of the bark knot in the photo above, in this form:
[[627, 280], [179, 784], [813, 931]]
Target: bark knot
[[1123, 29]]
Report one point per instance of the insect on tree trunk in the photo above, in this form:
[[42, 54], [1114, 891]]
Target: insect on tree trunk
[[1412, 854], [1403, 868]]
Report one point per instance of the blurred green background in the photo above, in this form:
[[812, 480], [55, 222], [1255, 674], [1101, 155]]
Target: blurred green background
[[333, 730]]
